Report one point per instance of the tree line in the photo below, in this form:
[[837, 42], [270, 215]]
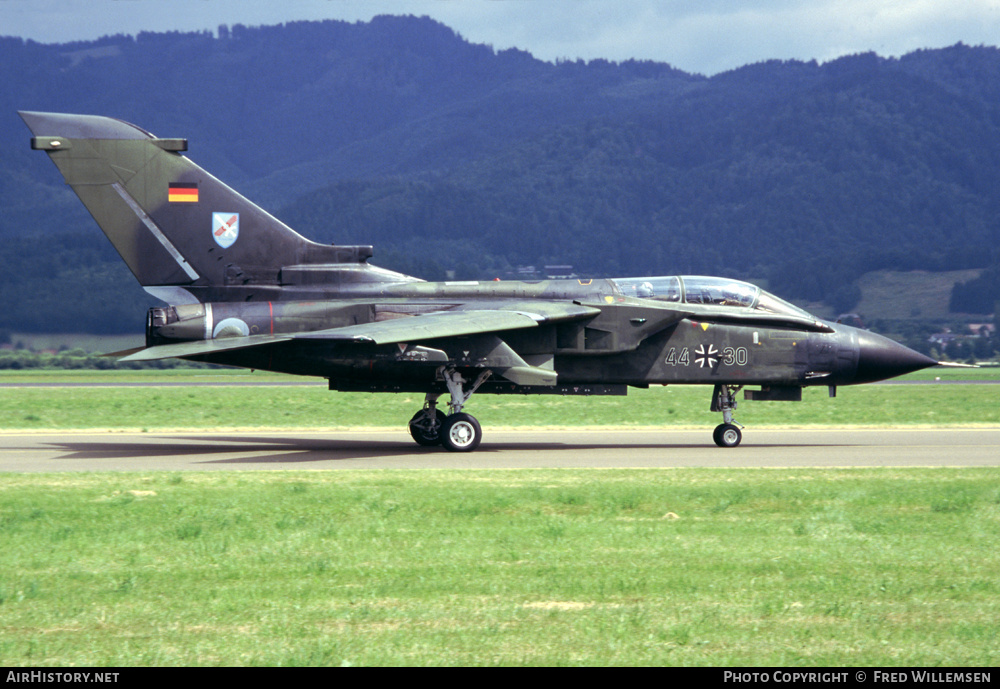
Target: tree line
[[457, 160]]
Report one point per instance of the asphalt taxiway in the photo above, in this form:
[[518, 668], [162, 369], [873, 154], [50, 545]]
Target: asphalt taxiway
[[524, 448]]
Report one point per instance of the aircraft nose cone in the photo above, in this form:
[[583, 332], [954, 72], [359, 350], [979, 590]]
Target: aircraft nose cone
[[880, 358]]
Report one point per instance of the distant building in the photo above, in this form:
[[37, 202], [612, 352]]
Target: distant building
[[944, 338], [559, 272], [975, 331]]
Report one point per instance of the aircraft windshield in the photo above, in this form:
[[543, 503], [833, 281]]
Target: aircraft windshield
[[769, 302], [661, 289], [702, 290], [708, 291]]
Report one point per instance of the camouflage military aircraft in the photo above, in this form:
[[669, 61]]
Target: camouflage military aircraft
[[246, 290]]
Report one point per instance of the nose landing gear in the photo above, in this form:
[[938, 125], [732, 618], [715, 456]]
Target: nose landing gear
[[726, 434]]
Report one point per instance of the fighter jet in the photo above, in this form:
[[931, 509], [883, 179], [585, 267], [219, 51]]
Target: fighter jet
[[243, 289]]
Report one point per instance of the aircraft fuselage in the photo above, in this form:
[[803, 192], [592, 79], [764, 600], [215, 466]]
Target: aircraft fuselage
[[627, 341], [244, 289]]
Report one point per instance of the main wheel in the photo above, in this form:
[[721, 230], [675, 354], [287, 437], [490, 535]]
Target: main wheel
[[461, 433], [421, 430], [727, 435]]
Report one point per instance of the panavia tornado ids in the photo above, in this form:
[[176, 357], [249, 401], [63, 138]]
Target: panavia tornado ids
[[245, 290]]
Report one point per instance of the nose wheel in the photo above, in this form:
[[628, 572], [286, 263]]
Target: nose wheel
[[728, 433]]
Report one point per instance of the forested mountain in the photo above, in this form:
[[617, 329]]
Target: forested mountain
[[450, 156]]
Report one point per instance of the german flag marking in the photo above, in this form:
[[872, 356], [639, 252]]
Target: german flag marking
[[180, 192]]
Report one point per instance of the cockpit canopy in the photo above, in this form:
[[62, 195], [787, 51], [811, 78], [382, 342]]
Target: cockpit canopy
[[696, 289]]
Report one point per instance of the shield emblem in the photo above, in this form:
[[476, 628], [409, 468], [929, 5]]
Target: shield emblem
[[225, 228]]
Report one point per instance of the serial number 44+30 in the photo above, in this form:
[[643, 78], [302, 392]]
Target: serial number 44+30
[[707, 356]]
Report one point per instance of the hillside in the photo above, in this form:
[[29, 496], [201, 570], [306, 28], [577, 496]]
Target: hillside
[[450, 156]]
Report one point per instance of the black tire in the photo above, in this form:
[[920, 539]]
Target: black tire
[[423, 435], [727, 435], [461, 433]]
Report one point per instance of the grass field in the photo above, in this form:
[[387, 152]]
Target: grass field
[[550, 567], [740, 567], [314, 407]]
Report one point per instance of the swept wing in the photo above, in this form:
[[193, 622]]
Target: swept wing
[[441, 324]]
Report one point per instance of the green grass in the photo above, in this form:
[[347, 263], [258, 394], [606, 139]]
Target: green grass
[[55, 376], [314, 407], [439, 567], [985, 373], [514, 567]]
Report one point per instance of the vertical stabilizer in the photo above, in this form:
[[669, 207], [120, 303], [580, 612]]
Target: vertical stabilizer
[[174, 224]]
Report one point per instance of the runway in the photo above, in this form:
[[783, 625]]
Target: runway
[[501, 449]]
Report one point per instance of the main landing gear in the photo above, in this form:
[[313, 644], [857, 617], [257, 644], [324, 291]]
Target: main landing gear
[[726, 434], [458, 431]]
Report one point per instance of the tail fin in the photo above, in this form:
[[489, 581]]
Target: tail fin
[[173, 223]]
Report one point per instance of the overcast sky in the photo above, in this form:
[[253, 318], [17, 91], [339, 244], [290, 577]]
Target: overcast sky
[[700, 36]]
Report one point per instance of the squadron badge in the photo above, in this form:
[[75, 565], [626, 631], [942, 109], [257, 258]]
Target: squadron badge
[[225, 228]]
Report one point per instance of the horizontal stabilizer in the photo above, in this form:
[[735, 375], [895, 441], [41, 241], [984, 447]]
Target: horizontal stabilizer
[[200, 347], [123, 353]]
